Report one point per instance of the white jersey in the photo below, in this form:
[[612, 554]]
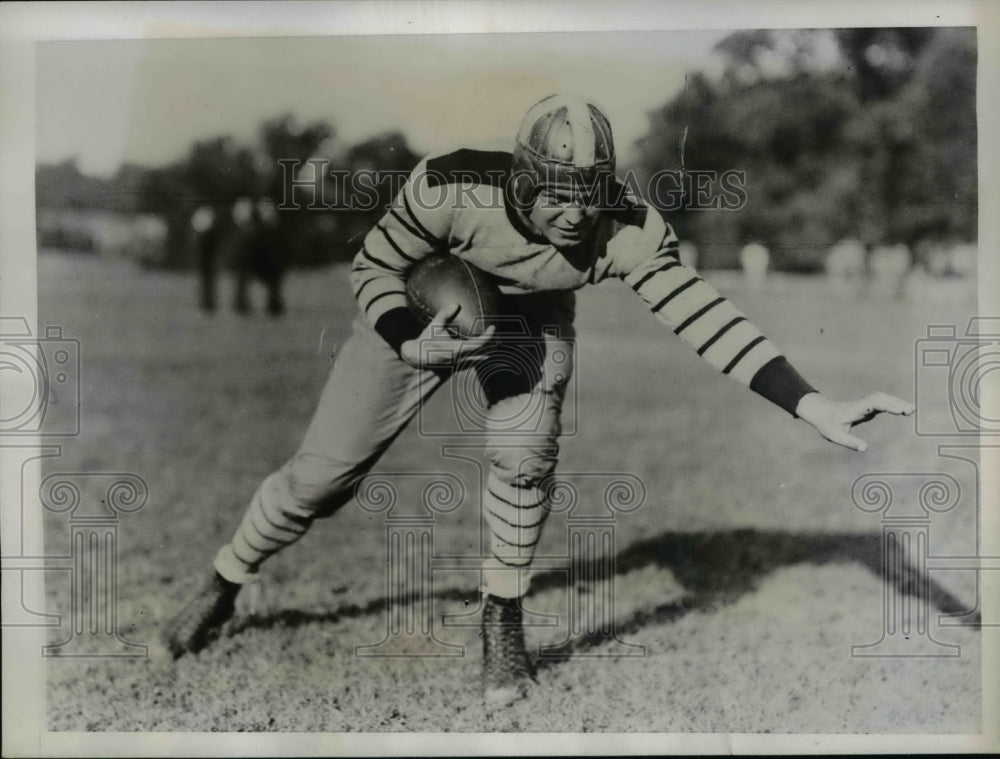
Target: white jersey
[[459, 203]]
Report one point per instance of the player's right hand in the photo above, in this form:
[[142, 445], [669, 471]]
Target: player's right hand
[[437, 348]]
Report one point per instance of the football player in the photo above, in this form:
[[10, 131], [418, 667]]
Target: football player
[[544, 220]]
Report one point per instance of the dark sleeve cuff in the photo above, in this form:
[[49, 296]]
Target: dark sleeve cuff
[[397, 326], [778, 381]]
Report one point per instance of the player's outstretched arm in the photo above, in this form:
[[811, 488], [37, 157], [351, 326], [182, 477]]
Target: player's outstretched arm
[[834, 419], [437, 348]]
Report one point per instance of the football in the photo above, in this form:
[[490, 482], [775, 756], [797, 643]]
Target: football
[[443, 280]]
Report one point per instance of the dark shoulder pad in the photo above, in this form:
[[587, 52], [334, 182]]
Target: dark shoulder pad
[[467, 166]]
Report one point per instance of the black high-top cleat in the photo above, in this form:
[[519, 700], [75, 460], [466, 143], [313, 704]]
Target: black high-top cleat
[[201, 620], [507, 669]]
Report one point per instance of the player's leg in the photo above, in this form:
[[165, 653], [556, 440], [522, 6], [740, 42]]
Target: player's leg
[[525, 386], [368, 399]]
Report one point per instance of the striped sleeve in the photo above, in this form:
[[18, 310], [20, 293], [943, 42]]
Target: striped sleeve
[[703, 318], [415, 225]]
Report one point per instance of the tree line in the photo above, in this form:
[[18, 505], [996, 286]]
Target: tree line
[[220, 172], [863, 134]]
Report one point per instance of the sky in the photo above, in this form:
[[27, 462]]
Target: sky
[[105, 102]]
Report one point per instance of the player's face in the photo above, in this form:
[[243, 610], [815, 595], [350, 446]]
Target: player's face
[[562, 217]]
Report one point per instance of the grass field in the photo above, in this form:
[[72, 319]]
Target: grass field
[[747, 574]]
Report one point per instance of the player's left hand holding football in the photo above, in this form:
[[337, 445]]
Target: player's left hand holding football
[[834, 419]]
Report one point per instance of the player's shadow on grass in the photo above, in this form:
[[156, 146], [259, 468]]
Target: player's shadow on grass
[[714, 568], [717, 568]]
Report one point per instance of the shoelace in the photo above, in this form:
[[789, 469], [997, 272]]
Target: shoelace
[[506, 656]]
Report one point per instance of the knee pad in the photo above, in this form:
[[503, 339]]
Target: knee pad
[[523, 466]]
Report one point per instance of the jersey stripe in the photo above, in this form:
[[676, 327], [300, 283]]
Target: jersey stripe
[[666, 267], [425, 233], [400, 239], [744, 351], [712, 340], [395, 247], [361, 288], [695, 310], [406, 225], [698, 314], [690, 283], [379, 262], [386, 294]]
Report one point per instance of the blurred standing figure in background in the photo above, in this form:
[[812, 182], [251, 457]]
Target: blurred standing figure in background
[[250, 245], [257, 254], [207, 236]]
